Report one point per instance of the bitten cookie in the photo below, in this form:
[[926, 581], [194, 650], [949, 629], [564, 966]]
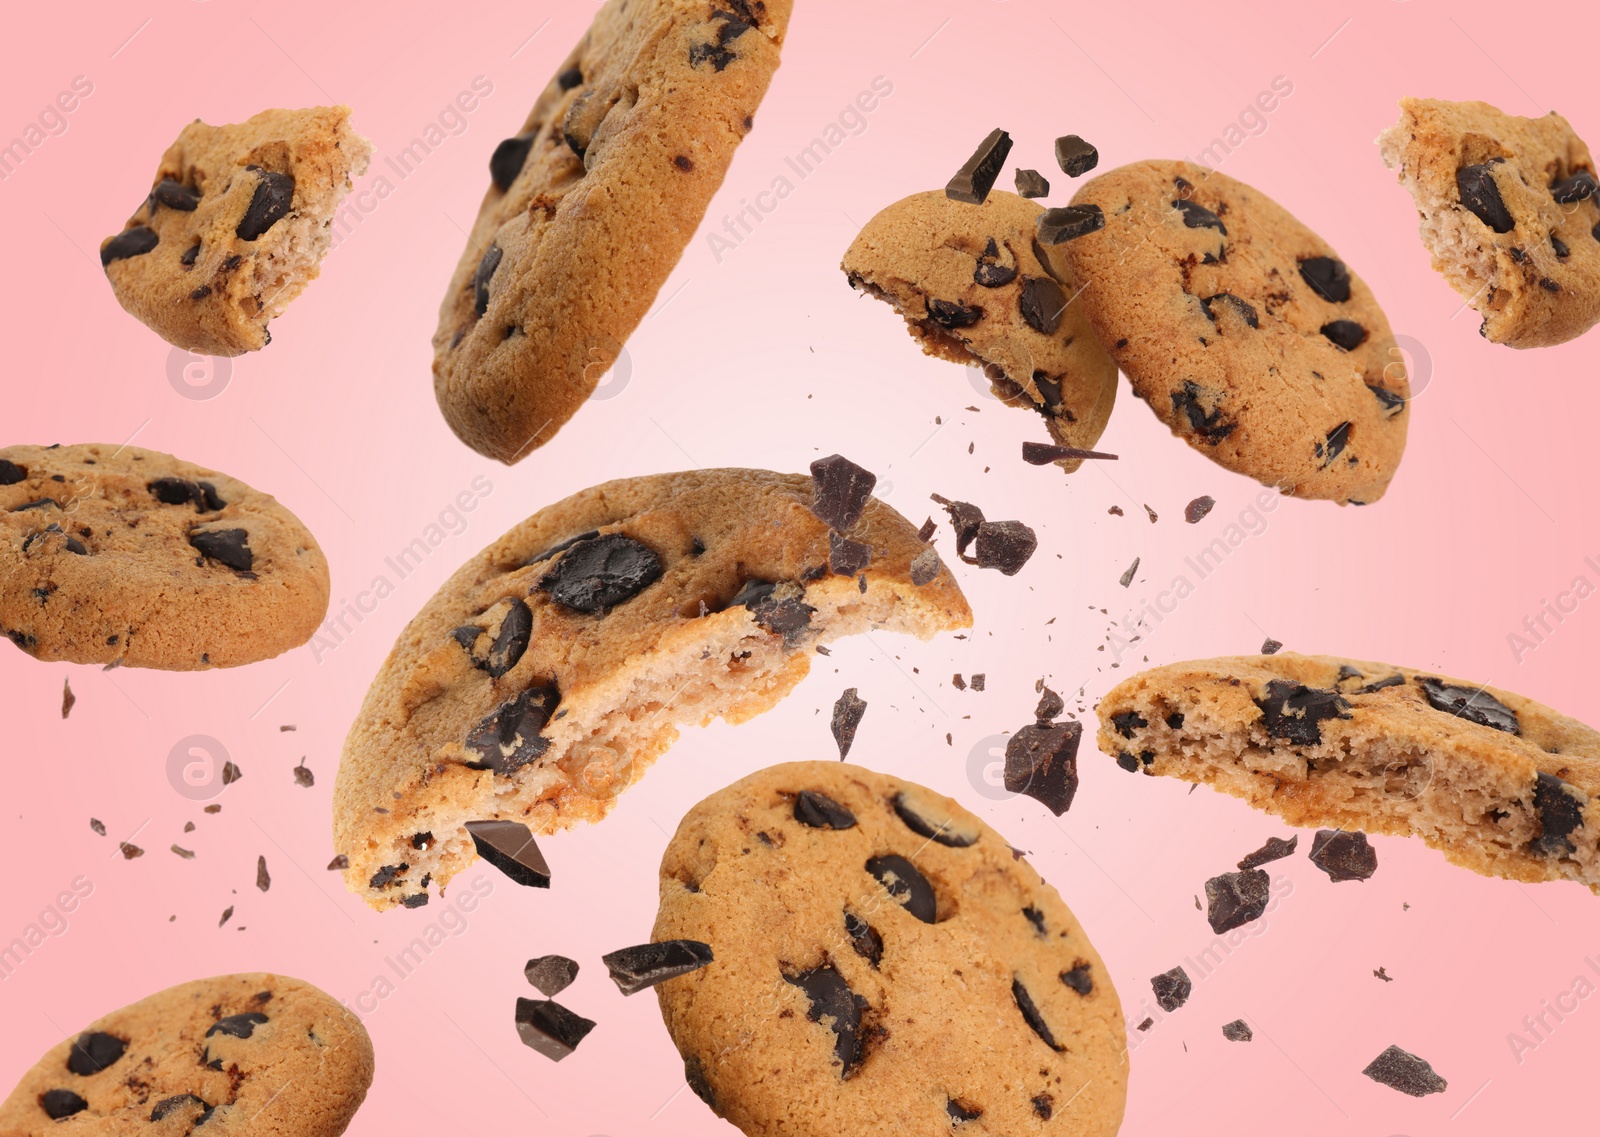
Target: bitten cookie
[[1500, 784], [884, 962], [117, 555], [555, 666], [235, 226], [590, 207], [237, 1054], [1242, 329], [975, 288], [1509, 214]]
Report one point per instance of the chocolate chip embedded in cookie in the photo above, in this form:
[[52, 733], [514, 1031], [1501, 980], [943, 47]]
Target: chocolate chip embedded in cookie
[[250, 1053], [589, 207], [975, 289], [235, 225], [1509, 214], [130, 557], [558, 664], [1499, 783], [1246, 332], [904, 972]]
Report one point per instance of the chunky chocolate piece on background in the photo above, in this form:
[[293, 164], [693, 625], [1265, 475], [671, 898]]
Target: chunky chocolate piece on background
[[1172, 989], [1042, 762], [839, 491], [509, 847], [847, 557], [1275, 849], [910, 889], [834, 1004], [972, 183], [1196, 510], [1075, 156], [633, 969], [1031, 183], [1237, 1031], [1235, 899], [549, 1028], [551, 974], [1400, 1070], [1343, 855], [847, 714]]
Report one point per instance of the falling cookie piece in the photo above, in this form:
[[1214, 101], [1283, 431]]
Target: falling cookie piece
[[847, 714], [1400, 1070], [635, 968], [67, 698], [549, 1028], [551, 974], [1344, 856]]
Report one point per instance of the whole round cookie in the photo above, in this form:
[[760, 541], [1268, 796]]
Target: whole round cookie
[[557, 665], [590, 207], [975, 288], [1509, 213], [1242, 329], [250, 1054], [118, 555], [235, 226], [1499, 783], [884, 962]]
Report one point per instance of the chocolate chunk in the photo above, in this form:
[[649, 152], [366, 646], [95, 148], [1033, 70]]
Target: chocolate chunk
[[1127, 722], [1004, 545], [549, 1028], [1579, 187], [180, 491], [909, 887], [11, 473], [943, 832], [1042, 762], [1338, 437], [68, 699], [925, 567], [847, 712], [1382, 684], [1075, 156], [1237, 1031], [1172, 989], [1294, 712], [1393, 404], [1478, 192], [175, 195], [1346, 334], [1031, 183], [97, 825], [570, 78], [959, 1111], [166, 1106], [1275, 849], [1041, 304], [509, 847], [841, 1009], [1245, 310], [1049, 707], [509, 738], [1343, 855], [1197, 216], [821, 812], [507, 160], [339, 863], [132, 242], [230, 547], [965, 518], [516, 627], [1031, 1015], [1079, 978], [864, 938], [563, 546], [1405, 1072], [190, 255], [1560, 247], [978, 680], [93, 1052], [1036, 918], [847, 557], [635, 968], [1236, 898], [1560, 811], [263, 878], [1068, 223], [238, 1026], [950, 315], [483, 275], [1476, 706], [1196, 510], [976, 178], [840, 491], [777, 607], [1043, 1106], [602, 572], [1209, 425], [1327, 277], [1043, 453], [61, 1103], [269, 205], [990, 273], [386, 876], [303, 775]]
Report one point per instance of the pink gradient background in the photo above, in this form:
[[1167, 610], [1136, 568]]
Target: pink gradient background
[[767, 358]]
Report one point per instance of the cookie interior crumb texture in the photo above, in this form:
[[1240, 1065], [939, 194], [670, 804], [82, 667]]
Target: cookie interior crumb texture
[[1499, 783], [554, 667], [235, 226], [1509, 213]]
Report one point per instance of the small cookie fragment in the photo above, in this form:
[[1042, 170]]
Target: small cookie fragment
[[847, 715], [548, 1028], [972, 183], [1344, 856], [633, 969], [303, 776], [551, 974], [1403, 1071], [97, 825]]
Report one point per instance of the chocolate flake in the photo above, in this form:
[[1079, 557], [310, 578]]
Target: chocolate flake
[[943, 832], [339, 863], [1294, 712], [1043, 453], [1031, 183], [1473, 705], [230, 547], [1242, 308], [1234, 899], [908, 886], [847, 713], [303, 775], [1237, 1031], [635, 968], [600, 573], [516, 627], [833, 1002], [268, 205], [1405, 1072], [1042, 762], [263, 878], [509, 737], [1579, 187], [1560, 809], [864, 938], [952, 316], [840, 490], [238, 1026], [1172, 989], [778, 607], [1327, 277], [976, 177], [1075, 156], [1197, 216], [1128, 573], [1343, 855], [97, 825], [960, 1111], [1041, 303], [509, 847], [94, 1051], [549, 1028], [1275, 849], [1031, 1015], [1481, 196], [67, 697], [847, 557], [820, 811]]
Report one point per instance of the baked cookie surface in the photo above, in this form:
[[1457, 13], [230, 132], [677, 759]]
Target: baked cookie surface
[[884, 962], [591, 205], [975, 288], [1499, 783], [555, 666], [254, 1054], [1509, 214], [119, 555], [1242, 329], [236, 223]]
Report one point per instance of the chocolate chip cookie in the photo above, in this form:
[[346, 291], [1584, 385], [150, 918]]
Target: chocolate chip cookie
[[555, 666], [235, 226], [590, 206], [975, 288], [1244, 330], [884, 963], [1500, 784], [245, 1054], [117, 555], [1509, 214]]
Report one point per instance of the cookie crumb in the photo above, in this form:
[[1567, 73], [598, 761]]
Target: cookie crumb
[[1237, 1031], [1270, 646], [227, 914], [97, 825], [1383, 974], [1115, 511], [67, 697], [1127, 577], [130, 851], [287, 727], [1196, 510], [263, 878], [214, 808], [339, 863], [957, 682], [303, 775], [1172, 989], [186, 854], [978, 680], [230, 774], [1405, 1072], [1152, 514], [1275, 849]]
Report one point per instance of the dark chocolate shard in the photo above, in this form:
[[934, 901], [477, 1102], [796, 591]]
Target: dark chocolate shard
[[1190, 401], [1075, 156], [840, 491], [847, 713], [1579, 187], [1481, 196], [694, 1075], [990, 273], [1043, 453], [864, 938], [847, 557], [509, 847], [1343, 855], [386, 876], [1393, 404], [1172, 989], [168, 1106], [268, 205], [602, 572], [836, 1006], [551, 974], [1195, 511], [1477, 706], [509, 737], [1275, 849], [481, 277], [61, 1103], [1079, 977], [1049, 707], [508, 159], [633, 969], [94, 1051], [230, 547], [11, 473], [1240, 307], [570, 78], [1197, 216], [1237, 1031], [976, 177], [1042, 762], [132, 242], [1344, 334], [944, 832], [1327, 277], [1405, 1072], [238, 1026], [1560, 808], [1068, 223], [1559, 247], [509, 644], [1236, 898], [1031, 183], [1031, 1015], [1036, 918], [964, 519], [1337, 439], [779, 607], [951, 316], [176, 195], [549, 1028], [1041, 304], [1295, 713], [1004, 545], [820, 811], [906, 884]]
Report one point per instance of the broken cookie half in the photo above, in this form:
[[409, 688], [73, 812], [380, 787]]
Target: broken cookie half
[[556, 665], [1499, 783]]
